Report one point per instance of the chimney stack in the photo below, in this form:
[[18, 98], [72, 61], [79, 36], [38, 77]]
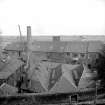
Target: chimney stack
[[56, 38], [28, 33], [56, 43]]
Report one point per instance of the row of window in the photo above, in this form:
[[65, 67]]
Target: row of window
[[82, 55]]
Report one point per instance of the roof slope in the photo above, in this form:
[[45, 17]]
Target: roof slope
[[16, 46], [6, 89], [87, 79], [63, 85], [61, 46], [10, 67]]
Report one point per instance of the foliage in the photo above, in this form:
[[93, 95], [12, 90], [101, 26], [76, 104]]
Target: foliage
[[99, 66]]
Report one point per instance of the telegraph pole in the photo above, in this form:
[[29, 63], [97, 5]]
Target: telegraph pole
[[20, 31]]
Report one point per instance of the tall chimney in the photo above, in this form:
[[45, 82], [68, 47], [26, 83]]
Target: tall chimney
[[28, 51], [28, 33]]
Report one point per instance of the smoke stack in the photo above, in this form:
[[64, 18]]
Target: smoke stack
[[28, 33], [56, 43]]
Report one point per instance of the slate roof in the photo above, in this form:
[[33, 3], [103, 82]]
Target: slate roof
[[72, 72], [41, 75], [63, 85], [36, 86], [3, 60], [61, 46], [16, 46], [2, 64], [5, 75], [6, 89], [66, 83], [70, 46], [10, 67], [87, 79]]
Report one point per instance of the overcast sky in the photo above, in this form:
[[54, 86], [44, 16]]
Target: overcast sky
[[53, 17]]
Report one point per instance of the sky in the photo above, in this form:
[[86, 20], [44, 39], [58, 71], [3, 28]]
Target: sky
[[53, 17]]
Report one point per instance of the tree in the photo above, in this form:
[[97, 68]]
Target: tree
[[99, 66]]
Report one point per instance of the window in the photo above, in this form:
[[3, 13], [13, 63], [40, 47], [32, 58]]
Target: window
[[74, 55], [74, 98], [68, 53], [82, 55]]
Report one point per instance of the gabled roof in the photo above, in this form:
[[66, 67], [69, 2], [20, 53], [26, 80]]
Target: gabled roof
[[87, 79], [66, 83], [67, 73], [36, 86], [63, 85], [42, 73], [72, 73]]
